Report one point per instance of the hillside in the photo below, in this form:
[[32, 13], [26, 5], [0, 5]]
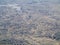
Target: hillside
[[29, 22]]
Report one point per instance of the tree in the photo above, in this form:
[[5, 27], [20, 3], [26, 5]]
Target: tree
[[57, 36]]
